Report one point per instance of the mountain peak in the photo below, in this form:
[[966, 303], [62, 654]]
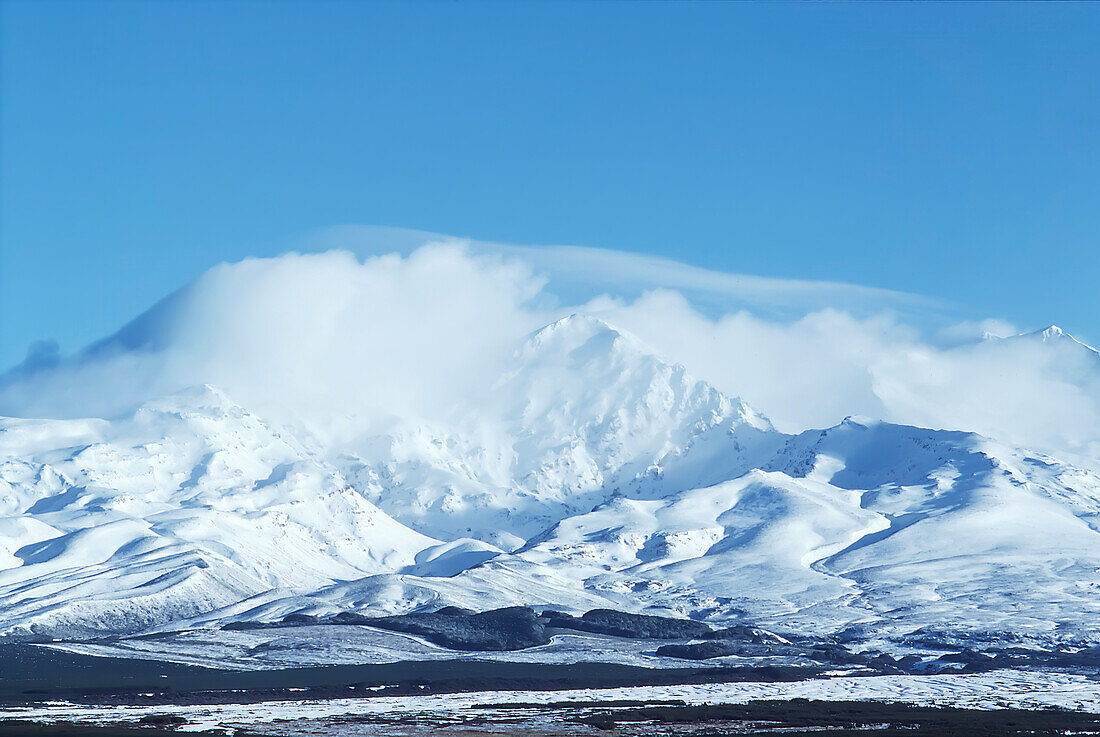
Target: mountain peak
[[1055, 334], [578, 320], [200, 398], [1050, 332], [1053, 331], [576, 325], [581, 339], [601, 368]]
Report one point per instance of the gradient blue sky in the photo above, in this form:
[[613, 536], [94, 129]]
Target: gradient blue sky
[[951, 150]]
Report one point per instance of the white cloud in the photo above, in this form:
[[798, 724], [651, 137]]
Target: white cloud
[[348, 342], [811, 372], [971, 331], [321, 335], [814, 371], [578, 273]]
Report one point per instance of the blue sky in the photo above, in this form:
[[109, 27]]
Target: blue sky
[[951, 150]]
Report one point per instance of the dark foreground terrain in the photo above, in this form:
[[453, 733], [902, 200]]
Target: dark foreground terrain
[[632, 719], [517, 628], [32, 675]]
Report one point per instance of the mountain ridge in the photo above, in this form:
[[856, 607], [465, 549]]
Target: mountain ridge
[[597, 474]]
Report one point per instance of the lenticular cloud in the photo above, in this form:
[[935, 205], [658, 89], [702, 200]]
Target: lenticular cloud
[[348, 345]]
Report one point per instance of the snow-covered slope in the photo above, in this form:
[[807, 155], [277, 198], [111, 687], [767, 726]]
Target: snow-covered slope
[[584, 413], [594, 474], [881, 528], [189, 504]]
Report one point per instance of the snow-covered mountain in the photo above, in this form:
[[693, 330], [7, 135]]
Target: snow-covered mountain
[[878, 527], [189, 504], [1074, 362], [595, 473], [584, 412]]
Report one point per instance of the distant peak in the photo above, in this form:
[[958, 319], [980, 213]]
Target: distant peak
[[575, 329], [582, 339], [861, 421], [1050, 332], [206, 393], [577, 321], [1055, 334], [198, 397]]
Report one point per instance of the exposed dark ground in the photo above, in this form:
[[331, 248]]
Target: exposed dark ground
[[515, 628], [35, 674], [30, 674], [857, 717], [793, 717], [16, 728]]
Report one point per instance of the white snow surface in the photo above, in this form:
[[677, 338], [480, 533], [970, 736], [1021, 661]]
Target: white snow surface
[[598, 474]]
